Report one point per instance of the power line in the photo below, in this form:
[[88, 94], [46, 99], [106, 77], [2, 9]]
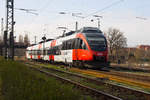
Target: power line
[[142, 18], [31, 11], [109, 6], [40, 11], [2, 27]]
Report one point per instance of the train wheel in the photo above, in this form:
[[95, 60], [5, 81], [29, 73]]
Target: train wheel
[[75, 63], [81, 65]]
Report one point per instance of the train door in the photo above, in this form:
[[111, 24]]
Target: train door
[[77, 53], [68, 51], [77, 48]]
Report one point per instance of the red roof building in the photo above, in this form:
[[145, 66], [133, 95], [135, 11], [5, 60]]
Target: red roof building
[[144, 47]]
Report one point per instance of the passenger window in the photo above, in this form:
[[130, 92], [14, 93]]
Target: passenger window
[[64, 46], [76, 43], [73, 44]]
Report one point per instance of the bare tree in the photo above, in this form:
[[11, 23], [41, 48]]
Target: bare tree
[[116, 41]]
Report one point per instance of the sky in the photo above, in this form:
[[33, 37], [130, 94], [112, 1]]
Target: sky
[[120, 14]]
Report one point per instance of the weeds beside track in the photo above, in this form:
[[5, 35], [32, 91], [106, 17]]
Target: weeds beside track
[[99, 95], [21, 83], [119, 91]]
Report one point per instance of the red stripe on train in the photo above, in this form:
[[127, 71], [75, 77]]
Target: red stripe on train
[[39, 56], [81, 54], [51, 57]]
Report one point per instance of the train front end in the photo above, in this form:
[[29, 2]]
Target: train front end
[[98, 48]]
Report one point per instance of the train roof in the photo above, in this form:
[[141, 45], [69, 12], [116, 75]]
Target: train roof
[[82, 30], [90, 30]]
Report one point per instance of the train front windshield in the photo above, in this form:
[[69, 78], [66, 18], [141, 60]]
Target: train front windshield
[[97, 42]]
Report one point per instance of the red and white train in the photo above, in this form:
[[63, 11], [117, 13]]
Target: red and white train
[[85, 47]]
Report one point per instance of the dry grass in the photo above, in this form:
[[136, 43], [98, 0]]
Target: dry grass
[[21, 83]]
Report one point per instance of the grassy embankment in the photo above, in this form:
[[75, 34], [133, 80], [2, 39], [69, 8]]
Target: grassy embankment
[[18, 82]]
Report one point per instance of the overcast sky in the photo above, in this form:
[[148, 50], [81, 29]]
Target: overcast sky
[[119, 14]]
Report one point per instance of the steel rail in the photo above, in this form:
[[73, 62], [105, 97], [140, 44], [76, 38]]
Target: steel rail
[[99, 95], [131, 76], [112, 87]]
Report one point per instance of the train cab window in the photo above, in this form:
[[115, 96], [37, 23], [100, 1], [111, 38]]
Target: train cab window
[[79, 44], [92, 31], [84, 46]]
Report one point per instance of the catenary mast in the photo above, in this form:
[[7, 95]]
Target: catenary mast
[[9, 43]]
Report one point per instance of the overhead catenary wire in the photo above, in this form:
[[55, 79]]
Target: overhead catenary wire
[[91, 14], [40, 11], [142, 18], [31, 11], [109, 6]]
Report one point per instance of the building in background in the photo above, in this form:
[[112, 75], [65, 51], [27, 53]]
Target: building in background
[[144, 47]]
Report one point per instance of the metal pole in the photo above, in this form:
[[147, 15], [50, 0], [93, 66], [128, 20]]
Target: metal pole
[[6, 33], [44, 39], [12, 32], [5, 45], [98, 19], [2, 27], [98, 23], [76, 28], [10, 27], [35, 39], [13, 29]]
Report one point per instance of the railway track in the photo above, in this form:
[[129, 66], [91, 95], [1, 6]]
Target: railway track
[[116, 77], [118, 91], [130, 68], [96, 94], [142, 78]]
